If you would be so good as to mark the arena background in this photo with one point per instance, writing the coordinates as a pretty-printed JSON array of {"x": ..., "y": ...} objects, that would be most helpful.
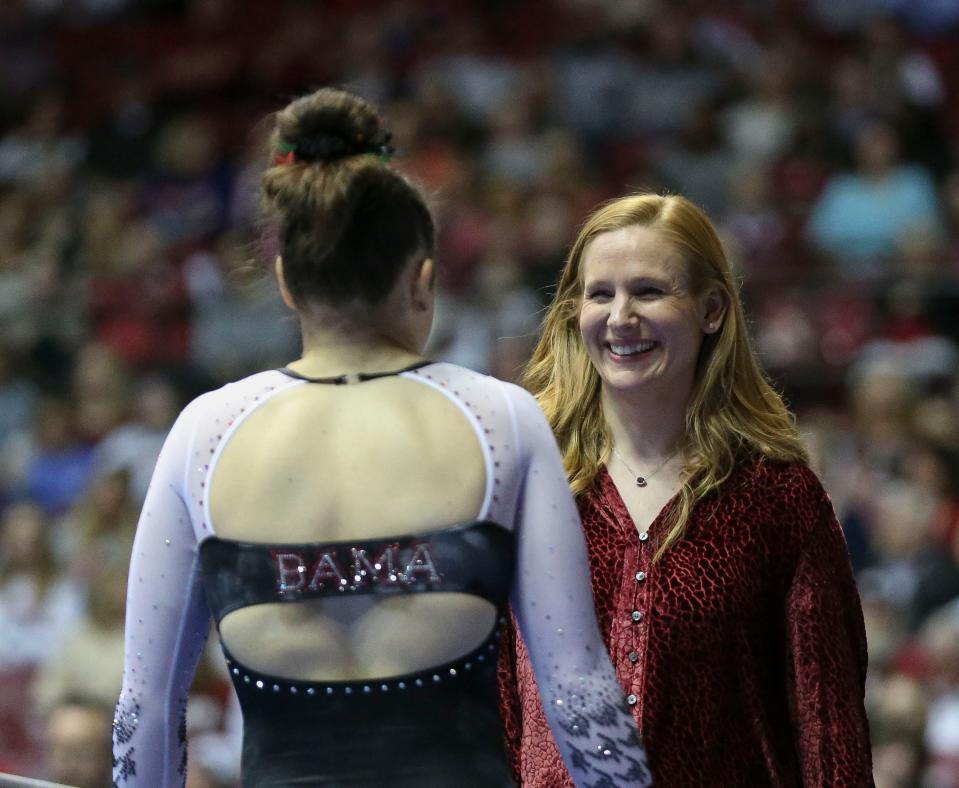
[{"x": 821, "y": 136}]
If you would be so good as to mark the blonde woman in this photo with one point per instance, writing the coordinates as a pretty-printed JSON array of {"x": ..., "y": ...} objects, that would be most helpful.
[{"x": 721, "y": 578}]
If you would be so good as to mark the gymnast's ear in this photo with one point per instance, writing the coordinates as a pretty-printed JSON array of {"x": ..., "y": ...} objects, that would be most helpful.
[
  {"x": 422, "y": 283},
  {"x": 281, "y": 283}
]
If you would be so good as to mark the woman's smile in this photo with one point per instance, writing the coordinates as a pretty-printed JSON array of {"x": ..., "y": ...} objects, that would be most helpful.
[{"x": 621, "y": 351}]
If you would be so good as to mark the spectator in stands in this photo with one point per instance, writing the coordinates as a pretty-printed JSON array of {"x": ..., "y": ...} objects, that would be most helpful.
[
  {"x": 90, "y": 660},
  {"x": 78, "y": 743},
  {"x": 897, "y": 718},
  {"x": 695, "y": 162},
  {"x": 50, "y": 465},
  {"x": 39, "y": 148},
  {"x": 38, "y": 605},
  {"x": 18, "y": 396},
  {"x": 239, "y": 321},
  {"x": 939, "y": 641},
  {"x": 138, "y": 303},
  {"x": 912, "y": 571},
  {"x": 134, "y": 446},
  {"x": 860, "y": 217},
  {"x": 761, "y": 126},
  {"x": 100, "y": 527}
]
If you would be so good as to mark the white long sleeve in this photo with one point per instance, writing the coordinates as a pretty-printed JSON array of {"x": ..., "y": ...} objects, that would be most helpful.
[{"x": 553, "y": 601}]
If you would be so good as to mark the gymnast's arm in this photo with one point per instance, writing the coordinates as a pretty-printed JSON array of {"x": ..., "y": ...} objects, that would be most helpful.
[
  {"x": 167, "y": 623},
  {"x": 553, "y": 603}
]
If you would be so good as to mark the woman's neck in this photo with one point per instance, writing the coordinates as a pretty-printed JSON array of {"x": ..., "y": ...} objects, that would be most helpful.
[
  {"x": 342, "y": 347},
  {"x": 645, "y": 431}
]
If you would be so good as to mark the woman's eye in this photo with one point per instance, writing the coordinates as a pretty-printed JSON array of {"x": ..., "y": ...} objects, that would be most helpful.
[
  {"x": 596, "y": 295},
  {"x": 649, "y": 292}
]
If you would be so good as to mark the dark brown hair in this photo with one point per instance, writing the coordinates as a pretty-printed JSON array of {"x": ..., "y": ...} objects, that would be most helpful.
[{"x": 347, "y": 222}]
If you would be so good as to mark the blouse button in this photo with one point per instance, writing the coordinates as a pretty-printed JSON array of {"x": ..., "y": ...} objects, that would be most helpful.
[
  {"x": 633, "y": 656},
  {"x": 636, "y": 615},
  {"x": 631, "y": 699},
  {"x": 640, "y": 577},
  {"x": 644, "y": 536}
]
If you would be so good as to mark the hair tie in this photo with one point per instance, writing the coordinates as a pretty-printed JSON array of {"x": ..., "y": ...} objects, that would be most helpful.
[
  {"x": 328, "y": 148},
  {"x": 379, "y": 144},
  {"x": 285, "y": 154}
]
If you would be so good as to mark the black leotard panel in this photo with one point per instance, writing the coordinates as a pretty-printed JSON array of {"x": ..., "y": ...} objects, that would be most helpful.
[
  {"x": 473, "y": 558},
  {"x": 441, "y": 722}
]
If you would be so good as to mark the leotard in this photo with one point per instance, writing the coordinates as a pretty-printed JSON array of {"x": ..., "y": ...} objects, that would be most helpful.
[{"x": 437, "y": 726}]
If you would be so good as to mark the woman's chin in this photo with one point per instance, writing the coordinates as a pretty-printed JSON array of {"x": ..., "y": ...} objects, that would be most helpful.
[{"x": 623, "y": 381}]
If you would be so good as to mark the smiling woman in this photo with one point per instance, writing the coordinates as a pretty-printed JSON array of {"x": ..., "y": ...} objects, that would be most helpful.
[
  {"x": 642, "y": 320},
  {"x": 721, "y": 578}
]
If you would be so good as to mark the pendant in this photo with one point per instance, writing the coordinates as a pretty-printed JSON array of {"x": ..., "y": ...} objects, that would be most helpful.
[{"x": 640, "y": 481}]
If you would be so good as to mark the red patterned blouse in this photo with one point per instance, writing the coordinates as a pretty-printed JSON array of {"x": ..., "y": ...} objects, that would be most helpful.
[{"x": 742, "y": 652}]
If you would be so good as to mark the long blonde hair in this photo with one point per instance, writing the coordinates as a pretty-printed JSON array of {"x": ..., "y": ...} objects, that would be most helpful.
[{"x": 733, "y": 412}]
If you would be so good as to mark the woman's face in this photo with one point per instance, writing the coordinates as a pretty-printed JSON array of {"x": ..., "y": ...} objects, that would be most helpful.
[{"x": 641, "y": 323}]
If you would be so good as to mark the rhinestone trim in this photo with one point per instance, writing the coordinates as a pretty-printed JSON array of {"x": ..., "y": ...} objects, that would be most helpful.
[{"x": 450, "y": 671}]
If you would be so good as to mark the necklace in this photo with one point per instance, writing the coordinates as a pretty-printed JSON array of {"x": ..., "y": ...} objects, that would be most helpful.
[{"x": 642, "y": 481}]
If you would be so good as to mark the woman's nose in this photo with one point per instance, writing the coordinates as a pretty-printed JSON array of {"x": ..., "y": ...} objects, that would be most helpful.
[{"x": 622, "y": 313}]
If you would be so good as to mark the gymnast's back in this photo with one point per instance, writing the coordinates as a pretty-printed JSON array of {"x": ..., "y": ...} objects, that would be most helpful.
[{"x": 354, "y": 525}]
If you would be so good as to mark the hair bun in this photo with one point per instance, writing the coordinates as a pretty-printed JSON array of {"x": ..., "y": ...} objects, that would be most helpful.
[
  {"x": 347, "y": 225},
  {"x": 330, "y": 124}
]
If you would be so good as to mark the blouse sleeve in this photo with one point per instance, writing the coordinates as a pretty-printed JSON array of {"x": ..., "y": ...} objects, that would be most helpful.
[
  {"x": 167, "y": 623},
  {"x": 826, "y": 642},
  {"x": 553, "y": 603}
]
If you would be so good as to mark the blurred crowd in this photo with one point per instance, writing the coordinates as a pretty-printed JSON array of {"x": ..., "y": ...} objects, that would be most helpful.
[{"x": 820, "y": 136}]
